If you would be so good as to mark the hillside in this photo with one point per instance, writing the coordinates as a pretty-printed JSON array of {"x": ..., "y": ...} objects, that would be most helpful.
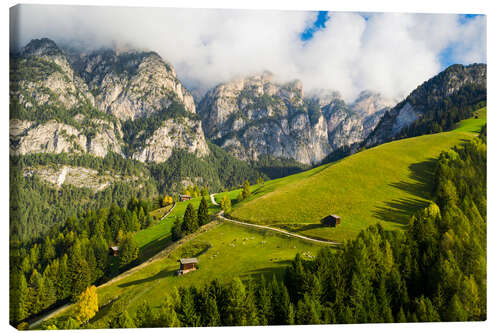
[{"x": 385, "y": 185}]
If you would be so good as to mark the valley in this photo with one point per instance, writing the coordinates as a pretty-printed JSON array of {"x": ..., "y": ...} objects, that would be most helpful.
[{"x": 226, "y": 250}]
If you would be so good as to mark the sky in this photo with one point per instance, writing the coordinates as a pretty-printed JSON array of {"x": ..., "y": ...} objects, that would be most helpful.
[{"x": 347, "y": 52}]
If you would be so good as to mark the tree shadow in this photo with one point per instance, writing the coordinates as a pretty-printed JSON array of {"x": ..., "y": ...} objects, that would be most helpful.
[
  {"x": 268, "y": 272},
  {"x": 160, "y": 275},
  {"x": 400, "y": 210}
]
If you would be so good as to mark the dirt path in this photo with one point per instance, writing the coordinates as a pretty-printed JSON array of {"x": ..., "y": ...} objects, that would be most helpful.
[
  {"x": 220, "y": 215},
  {"x": 169, "y": 211},
  {"x": 213, "y": 199}
]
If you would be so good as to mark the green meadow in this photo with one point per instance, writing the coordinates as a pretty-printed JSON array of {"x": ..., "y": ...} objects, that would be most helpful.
[
  {"x": 385, "y": 184},
  {"x": 155, "y": 238},
  {"x": 224, "y": 252}
]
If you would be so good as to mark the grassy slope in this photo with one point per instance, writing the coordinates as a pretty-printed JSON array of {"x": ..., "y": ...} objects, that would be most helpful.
[
  {"x": 385, "y": 184},
  {"x": 155, "y": 238},
  {"x": 234, "y": 251}
]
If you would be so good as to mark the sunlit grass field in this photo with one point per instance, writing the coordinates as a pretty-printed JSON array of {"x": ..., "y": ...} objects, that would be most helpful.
[
  {"x": 224, "y": 252},
  {"x": 385, "y": 184},
  {"x": 158, "y": 236}
]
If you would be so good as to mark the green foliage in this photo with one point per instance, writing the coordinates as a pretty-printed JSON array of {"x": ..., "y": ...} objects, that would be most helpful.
[
  {"x": 246, "y": 189},
  {"x": 203, "y": 212},
  {"x": 128, "y": 250},
  {"x": 190, "y": 222}
]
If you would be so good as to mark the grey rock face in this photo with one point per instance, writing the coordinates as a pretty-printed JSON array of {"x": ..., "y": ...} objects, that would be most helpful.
[
  {"x": 256, "y": 116},
  {"x": 115, "y": 86},
  {"x": 132, "y": 84},
  {"x": 55, "y": 137},
  {"x": 446, "y": 83},
  {"x": 184, "y": 134}
]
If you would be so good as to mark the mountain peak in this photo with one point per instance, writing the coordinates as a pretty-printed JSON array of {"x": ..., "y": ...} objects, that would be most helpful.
[{"x": 41, "y": 47}]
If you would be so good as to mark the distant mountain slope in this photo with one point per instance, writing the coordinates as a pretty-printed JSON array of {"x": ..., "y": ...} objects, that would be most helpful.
[
  {"x": 434, "y": 106},
  {"x": 255, "y": 116},
  {"x": 384, "y": 184}
]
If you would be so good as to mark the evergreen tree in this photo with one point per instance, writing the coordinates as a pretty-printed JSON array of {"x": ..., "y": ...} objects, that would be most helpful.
[
  {"x": 177, "y": 229},
  {"x": 246, "y": 189},
  {"x": 129, "y": 251},
  {"x": 203, "y": 212},
  {"x": 190, "y": 223}
]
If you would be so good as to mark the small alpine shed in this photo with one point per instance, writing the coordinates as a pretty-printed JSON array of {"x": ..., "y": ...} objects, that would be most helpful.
[
  {"x": 331, "y": 220},
  {"x": 187, "y": 265}
]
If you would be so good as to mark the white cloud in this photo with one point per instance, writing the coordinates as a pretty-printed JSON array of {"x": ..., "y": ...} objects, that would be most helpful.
[{"x": 390, "y": 53}]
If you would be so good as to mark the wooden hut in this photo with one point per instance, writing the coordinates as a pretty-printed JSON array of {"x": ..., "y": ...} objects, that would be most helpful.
[
  {"x": 187, "y": 265},
  {"x": 331, "y": 220},
  {"x": 184, "y": 197},
  {"x": 113, "y": 250}
]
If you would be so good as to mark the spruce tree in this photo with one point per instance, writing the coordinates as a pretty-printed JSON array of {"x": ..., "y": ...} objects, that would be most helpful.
[
  {"x": 190, "y": 223},
  {"x": 203, "y": 212},
  {"x": 177, "y": 229},
  {"x": 246, "y": 189}
]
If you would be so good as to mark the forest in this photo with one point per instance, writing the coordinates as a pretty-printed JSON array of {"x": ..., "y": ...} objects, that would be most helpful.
[{"x": 58, "y": 267}]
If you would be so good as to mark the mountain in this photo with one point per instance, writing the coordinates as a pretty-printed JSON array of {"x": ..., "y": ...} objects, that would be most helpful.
[
  {"x": 436, "y": 105},
  {"x": 255, "y": 116},
  {"x": 81, "y": 103}
]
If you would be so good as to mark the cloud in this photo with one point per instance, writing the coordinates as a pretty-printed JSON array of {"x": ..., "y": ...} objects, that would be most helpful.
[{"x": 390, "y": 53}]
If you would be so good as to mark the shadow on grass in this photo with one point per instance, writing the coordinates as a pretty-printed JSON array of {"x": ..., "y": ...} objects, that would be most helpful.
[
  {"x": 400, "y": 210},
  {"x": 150, "y": 249},
  {"x": 268, "y": 272},
  {"x": 160, "y": 275}
]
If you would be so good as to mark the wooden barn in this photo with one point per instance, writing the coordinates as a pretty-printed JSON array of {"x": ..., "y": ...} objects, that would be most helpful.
[
  {"x": 113, "y": 250},
  {"x": 184, "y": 197},
  {"x": 187, "y": 265},
  {"x": 331, "y": 220}
]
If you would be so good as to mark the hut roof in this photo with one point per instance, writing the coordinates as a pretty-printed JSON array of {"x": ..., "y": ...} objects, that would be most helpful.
[{"x": 188, "y": 260}]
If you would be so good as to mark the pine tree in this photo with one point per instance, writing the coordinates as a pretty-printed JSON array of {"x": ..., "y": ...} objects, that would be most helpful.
[
  {"x": 168, "y": 316},
  {"x": 264, "y": 307},
  {"x": 246, "y": 189},
  {"x": 19, "y": 299},
  {"x": 188, "y": 314},
  {"x": 190, "y": 223},
  {"x": 203, "y": 212},
  {"x": 129, "y": 251},
  {"x": 177, "y": 229}
]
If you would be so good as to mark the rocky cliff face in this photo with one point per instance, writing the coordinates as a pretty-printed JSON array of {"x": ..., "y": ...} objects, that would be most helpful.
[
  {"x": 131, "y": 84},
  {"x": 256, "y": 116},
  {"x": 455, "y": 82},
  {"x": 71, "y": 102}
]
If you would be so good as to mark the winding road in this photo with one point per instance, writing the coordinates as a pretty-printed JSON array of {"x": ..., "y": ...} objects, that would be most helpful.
[{"x": 220, "y": 215}]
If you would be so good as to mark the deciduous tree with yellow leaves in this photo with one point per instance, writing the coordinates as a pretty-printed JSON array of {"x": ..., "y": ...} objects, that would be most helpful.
[{"x": 87, "y": 305}]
